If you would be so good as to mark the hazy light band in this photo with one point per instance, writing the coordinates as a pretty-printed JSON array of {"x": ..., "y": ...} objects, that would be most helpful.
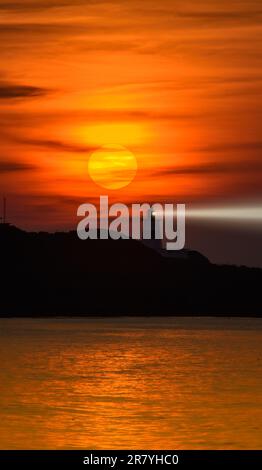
[
  {"x": 236, "y": 213},
  {"x": 231, "y": 213}
]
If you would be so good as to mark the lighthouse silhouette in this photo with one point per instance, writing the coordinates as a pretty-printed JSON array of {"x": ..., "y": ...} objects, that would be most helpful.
[{"x": 155, "y": 242}]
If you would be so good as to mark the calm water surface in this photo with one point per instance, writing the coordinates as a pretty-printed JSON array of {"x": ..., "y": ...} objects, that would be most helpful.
[{"x": 131, "y": 383}]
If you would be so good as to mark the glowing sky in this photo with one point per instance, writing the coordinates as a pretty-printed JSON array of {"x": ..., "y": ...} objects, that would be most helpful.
[{"x": 178, "y": 83}]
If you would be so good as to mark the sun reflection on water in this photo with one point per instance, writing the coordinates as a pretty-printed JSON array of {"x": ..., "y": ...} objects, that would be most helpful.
[{"x": 156, "y": 384}]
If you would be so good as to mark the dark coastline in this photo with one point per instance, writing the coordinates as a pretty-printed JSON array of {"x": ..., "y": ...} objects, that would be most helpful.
[{"x": 53, "y": 275}]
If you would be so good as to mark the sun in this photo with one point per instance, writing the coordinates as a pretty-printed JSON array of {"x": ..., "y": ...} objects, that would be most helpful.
[{"x": 112, "y": 166}]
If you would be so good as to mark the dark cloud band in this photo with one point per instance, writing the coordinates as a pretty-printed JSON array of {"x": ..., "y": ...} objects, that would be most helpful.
[
  {"x": 13, "y": 167},
  {"x": 13, "y": 91}
]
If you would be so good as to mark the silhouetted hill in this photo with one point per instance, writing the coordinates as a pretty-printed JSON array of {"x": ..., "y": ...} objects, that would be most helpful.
[{"x": 58, "y": 274}]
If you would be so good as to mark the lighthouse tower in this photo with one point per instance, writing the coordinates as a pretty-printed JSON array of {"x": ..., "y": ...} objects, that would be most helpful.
[{"x": 155, "y": 243}]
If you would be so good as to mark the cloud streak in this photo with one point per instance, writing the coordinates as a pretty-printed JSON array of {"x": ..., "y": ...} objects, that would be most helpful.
[
  {"x": 33, "y": 5},
  {"x": 13, "y": 167},
  {"x": 55, "y": 145},
  {"x": 14, "y": 91},
  {"x": 211, "y": 168},
  {"x": 229, "y": 147}
]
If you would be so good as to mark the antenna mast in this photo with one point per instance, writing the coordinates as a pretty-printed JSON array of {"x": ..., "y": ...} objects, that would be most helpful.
[{"x": 4, "y": 211}]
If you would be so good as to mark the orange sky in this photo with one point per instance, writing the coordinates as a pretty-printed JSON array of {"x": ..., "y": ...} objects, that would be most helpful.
[{"x": 178, "y": 83}]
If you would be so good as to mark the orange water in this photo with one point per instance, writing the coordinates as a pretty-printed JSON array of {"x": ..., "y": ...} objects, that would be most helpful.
[{"x": 131, "y": 383}]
